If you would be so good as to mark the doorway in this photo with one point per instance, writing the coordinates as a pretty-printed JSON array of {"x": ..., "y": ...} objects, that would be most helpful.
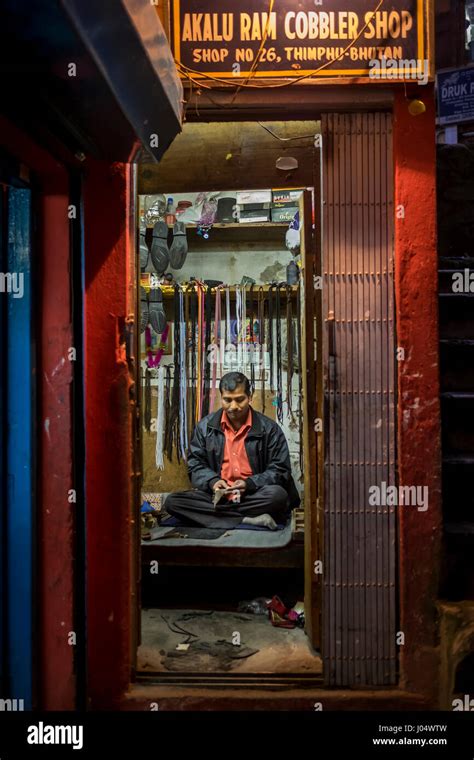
[
  {"x": 238, "y": 300},
  {"x": 343, "y": 552}
]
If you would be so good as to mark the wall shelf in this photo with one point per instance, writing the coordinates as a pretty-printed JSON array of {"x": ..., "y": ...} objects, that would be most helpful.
[
  {"x": 168, "y": 290},
  {"x": 232, "y": 225}
]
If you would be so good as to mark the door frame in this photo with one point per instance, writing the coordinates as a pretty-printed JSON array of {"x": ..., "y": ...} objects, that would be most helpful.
[
  {"x": 418, "y": 441},
  {"x": 311, "y": 443}
]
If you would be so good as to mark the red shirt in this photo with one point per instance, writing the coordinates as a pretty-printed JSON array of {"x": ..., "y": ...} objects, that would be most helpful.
[{"x": 235, "y": 465}]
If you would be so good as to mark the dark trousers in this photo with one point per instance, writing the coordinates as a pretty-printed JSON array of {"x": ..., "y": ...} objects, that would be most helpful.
[{"x": 196, "y": 507}]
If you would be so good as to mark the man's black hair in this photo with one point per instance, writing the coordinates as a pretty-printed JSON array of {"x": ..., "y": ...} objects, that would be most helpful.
[{"x": 231, "y": 380}]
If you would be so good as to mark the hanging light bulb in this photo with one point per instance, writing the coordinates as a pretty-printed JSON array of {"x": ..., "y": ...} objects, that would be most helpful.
[{"x": 416, "y": 107}]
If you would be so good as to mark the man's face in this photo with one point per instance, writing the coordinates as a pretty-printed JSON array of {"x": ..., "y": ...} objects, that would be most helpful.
[{"x": 236, "y": 403}]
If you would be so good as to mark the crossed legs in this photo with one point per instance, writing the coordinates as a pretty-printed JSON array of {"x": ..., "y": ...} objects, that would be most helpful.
[{"x": 196, "y": 508}]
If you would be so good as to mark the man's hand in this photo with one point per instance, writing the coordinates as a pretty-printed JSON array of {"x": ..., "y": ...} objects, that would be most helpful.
[
  {"x": 220, "y": 484},
  {"x": 241, "y": 485}
]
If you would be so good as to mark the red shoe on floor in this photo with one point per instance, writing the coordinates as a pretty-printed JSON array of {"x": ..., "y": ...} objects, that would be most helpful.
[{"x": 278, "y": 613}]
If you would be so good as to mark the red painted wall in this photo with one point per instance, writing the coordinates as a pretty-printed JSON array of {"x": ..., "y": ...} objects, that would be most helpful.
[
  {"x": 55, "y": 678},
  {"x": 419, "y": 445},
  {"x": 108, "y": 431}
]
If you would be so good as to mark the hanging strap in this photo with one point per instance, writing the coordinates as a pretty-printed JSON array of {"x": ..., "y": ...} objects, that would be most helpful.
[
  {"x": 183, "y": 380},
  {"x": 187, "y": 351},
  {"x": 243, "y": 328},
  {"x": 251, "y": 340},
  {"x": 279, "y": 368},
  {"x": 221, "y": 332},
  {"x": 228, "y": 335},
  {"x": 251, "y": 313},
  {"x": 175, "y": 400},
  {"x": 216, "y": 342},
  {"x": 193, "y": 312},
  {"x": 167, "y": 411},
  {"x": 147, "y": 399},
  {"x": 200, "y": 321},
  {"x": 160, "y": 420},
  {"x": 270, "y": 333},
  {"x": 238, "y": 319},
  {"x": 300, "y": 370},
  {"x": 207, "y": 339},
  {"x": 289, "y": 351},
  {"x": 201, "y": 348},
  {"x": 261, "y": 337}
]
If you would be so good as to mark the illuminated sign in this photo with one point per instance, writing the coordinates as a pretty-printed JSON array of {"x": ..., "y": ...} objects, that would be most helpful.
[{"x": 302, "y": 38}]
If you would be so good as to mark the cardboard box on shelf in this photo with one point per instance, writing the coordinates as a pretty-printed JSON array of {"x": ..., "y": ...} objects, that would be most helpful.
[
  {"x": 283, "y": 204},
  {"x": 285, "y": 196},
  {"x": 254, "y": 215},
  {"x": 254, "y": 206},
  {"x": 254, "y": 196},
  {"x": 284, "y": 214}
]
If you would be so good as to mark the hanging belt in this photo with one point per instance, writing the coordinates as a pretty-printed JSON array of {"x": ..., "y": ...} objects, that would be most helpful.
[
  {"x": 147, "y": 399},
  {"x": 175, "y": 399},
  {"x": 238, "y": 320},
  {"x": 187, "y": 322},
  {"x": 300, "y": 369},
  {"x": 252, "y": 363},
  {"x": 193, "y": 312},
  {"x": 186, "y": 329},
  {"x": 270, "y": 332},
  {"x": 183, "y": 379},
  {"x": 243, "y": 328},
  {"x": 261, "y": 337},
  {"x": 199, "y": 373},
  {"x": 289, "y": 351},
  {"x": 221, "y": 335},
  {"x": 217, "y": 334},
  {"x": 207, "y": 340},
  {"x": 202, "y": 344},
  {"x": 279, "y": 357},
  {"x": 168, "y": 445},
  {"x": 228, "y": 334},
  {"x": 159, "y": 421}
]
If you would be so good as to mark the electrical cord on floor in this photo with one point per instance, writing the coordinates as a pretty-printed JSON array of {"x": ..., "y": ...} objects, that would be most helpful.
[
  {"x": 180, "y": 630},
  {"x": 191, "y": 615}
]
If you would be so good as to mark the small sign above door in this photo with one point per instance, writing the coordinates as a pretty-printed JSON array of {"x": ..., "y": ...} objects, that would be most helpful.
[{"x": 302, "y": 38}]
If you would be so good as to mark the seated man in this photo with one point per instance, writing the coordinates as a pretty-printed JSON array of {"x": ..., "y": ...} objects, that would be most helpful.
[{"x": 236, "y": 447}]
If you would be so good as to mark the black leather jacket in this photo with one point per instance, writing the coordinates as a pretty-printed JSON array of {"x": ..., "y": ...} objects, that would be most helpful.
[{"x": 266, "y": 448}]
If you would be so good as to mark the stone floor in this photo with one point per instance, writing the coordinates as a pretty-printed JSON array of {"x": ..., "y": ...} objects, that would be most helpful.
[{"x": 213, "y": 638}]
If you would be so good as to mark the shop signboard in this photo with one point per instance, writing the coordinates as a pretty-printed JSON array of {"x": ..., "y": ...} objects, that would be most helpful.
[
  {"x": 302, "y": 38},
  {"x": 455, "y": 89}
]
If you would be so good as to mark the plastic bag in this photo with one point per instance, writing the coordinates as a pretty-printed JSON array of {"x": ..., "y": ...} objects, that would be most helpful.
[{"x": 256, "y": 606}]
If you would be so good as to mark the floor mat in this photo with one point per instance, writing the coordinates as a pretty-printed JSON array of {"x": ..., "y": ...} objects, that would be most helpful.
[{"x": 244, "y": 539}]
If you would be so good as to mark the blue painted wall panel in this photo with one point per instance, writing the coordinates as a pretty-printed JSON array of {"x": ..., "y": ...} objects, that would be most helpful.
[
  {"x": 20, "y": 448},
  {"x": 3, "y": 447}
]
